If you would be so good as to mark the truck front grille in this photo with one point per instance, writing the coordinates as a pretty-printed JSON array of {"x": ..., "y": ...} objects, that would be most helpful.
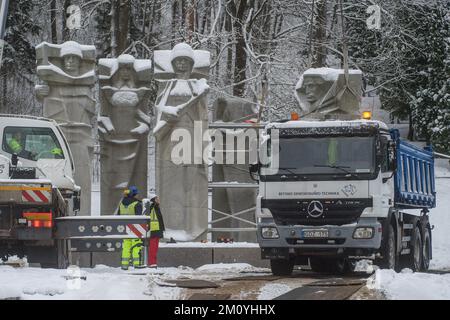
[{"x": 307, "y": 211}]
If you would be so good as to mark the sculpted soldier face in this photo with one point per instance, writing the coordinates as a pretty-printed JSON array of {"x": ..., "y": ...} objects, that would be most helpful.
[
  {"x": 182, "y": 66},
  {"x": 125, "y": 73},
  {"x": 72, "y": 63},
  {"x": 313, "y": 88}
]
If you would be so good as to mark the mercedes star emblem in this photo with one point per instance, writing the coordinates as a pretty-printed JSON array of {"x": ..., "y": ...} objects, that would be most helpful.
[{"x": 315, "y": 209}]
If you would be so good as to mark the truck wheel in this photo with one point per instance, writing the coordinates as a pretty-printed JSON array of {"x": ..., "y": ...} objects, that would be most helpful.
[
  {"x": 413, "y": 260},
  {"x": 389, "y": 260},
  {"x": 281, "y": 267},
  {"x": 426, "y": 253}
]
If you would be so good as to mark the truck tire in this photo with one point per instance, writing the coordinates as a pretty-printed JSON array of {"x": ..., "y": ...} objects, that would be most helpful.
[
  {"x": 413, "y": 260},
  {"x": 281, "y": 267},
  {"x": 426, "y": 251},
  {"x": 390, "y": 254},
  {"x": 329, "y": 265}
]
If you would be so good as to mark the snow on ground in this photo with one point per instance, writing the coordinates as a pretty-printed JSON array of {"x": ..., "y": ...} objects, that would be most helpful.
[
  {"x": 208, "y": 245},
  {"x": 273, "y": 290},
  {"x": 102, "y": 284},
  {"x": 407, "y": 285},
  {"x": 106, "y": 283},
  {"x": 440, "y": 218}
]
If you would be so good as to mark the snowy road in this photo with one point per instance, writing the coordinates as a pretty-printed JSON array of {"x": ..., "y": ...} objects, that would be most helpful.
[{"x": 106, "y": 283}]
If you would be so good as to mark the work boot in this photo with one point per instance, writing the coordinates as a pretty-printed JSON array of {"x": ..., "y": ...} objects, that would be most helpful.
[
  {"x": 153, "y": 266},
  {"x": 124, "y": 268}
]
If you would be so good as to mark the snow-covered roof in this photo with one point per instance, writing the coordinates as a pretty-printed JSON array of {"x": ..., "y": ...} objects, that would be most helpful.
[
  {"x": 326, "y": 123},
  {"x": 25, "y": 181},
  {"x": 26, "y": 121}
]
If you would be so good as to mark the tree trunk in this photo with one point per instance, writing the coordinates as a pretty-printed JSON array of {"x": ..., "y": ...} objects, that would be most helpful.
[
  {"x": 114, "y": 16},
  {"x": 65, "y": 31},
  {"x": 174, "y": 20},
  {"x": 319, "y": 53},
  {"x": 190, "y": 18},
  {"x": 53, "y": 32},
  {"x": 240, "y": 64},
  {"x": 410, "y": 128},
  {"x": 124, "y": 25},
  {"x": 229, "y": 29}
]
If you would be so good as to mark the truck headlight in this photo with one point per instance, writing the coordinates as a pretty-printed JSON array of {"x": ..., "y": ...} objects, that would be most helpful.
[
  {"x": 363, "y": 233},
  {"x": 269, "y": 233}
]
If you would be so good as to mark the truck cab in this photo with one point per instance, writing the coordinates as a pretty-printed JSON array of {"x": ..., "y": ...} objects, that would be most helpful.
[
  {"x": 327, "y": 195},
  {"x": 38, "y": 143}
]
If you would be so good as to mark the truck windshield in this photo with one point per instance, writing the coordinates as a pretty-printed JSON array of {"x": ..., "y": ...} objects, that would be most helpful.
[
  {"x": 32, "y": 143},
  {"x": 327, "y": 155}
]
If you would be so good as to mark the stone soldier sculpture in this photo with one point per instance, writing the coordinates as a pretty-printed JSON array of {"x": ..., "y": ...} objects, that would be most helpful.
[
  {"x": 123, "y": 127},
  {"x": 181, "y": 109},
  {"x": 68, "y": 76},
  {"x": 322, "y": 93}
]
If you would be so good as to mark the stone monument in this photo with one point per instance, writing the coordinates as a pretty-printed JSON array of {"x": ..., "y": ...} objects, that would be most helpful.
[
  {"x": 123, "y": 127},
  {"x": 181, "y": 109},
  {"x": 68, "y": 76},
  {"x": 325, "y": 93}
]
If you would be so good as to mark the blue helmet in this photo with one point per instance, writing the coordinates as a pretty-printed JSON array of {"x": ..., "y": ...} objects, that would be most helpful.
[{"x": 133, "y": 190}]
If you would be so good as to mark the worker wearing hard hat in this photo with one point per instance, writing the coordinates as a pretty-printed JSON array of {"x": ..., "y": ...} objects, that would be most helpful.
[
  {"x": 156, "y": 228},
  {"x": 131, "y": 248}
]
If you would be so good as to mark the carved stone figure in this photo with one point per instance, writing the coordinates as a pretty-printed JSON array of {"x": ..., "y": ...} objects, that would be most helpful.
[
  {"x": 324, "y": 92},
  {"x": 234, "y": 200},
  {"x": 68, "y": 76},
  {"x": 181, "y": 108},
  {"x": 123, "y": 127}
]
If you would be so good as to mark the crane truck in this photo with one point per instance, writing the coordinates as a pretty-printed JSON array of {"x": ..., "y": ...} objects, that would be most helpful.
[
  {"x": 36, "y": 186},
  {"x": 40, "y": 201},
  {"x": 334, "y": 192}
]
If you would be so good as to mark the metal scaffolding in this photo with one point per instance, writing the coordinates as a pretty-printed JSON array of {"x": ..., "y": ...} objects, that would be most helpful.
[{"x": 229, "y": 185}]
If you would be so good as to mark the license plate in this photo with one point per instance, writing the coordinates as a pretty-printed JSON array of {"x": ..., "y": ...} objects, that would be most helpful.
[{"x": 321, "y": 233}]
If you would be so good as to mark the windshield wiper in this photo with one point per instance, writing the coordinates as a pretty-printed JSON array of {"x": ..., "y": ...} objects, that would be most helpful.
[{"x": 342, "y": 168}]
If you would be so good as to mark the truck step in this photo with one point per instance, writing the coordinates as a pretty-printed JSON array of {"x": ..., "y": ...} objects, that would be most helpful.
[
  {"x": 405, "y": 251},
  {"x": 408, "y": 226}
]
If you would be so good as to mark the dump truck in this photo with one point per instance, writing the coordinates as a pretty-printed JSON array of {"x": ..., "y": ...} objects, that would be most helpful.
[{"x": 334, "y": 192}]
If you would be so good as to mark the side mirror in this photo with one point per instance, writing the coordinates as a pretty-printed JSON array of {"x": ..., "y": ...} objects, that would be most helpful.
[
  {"x": 392, "y": 156},
  {"x": 254, "y": 171},
  {"x": 76, "y": 202},
  {"x": 14, "y": 159}
]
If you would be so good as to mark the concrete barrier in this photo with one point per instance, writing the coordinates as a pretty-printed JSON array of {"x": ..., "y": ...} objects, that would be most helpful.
[{"x": 193, "y": 257}]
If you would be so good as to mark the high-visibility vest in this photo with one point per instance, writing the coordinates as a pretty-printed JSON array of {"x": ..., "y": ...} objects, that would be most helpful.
[
  {"x": 154, "y": 223},
  {"x": 57, "y": 151},
  {"x": 129, "y": 210},
  {"x": 15, "y": 145}
]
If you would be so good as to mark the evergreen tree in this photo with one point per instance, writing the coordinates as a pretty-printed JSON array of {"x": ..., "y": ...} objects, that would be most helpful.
[
  {"x": 19, "y": 54},
  {"x": 431, "y": 104}
]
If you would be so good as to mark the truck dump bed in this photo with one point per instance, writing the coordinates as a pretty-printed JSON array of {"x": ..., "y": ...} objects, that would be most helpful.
[{"x": 414, "y": 177}]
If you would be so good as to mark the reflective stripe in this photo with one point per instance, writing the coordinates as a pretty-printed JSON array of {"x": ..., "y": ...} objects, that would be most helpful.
[
  {"x": 154, "y": 223},
  {"x": 128, "y": 210}
]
